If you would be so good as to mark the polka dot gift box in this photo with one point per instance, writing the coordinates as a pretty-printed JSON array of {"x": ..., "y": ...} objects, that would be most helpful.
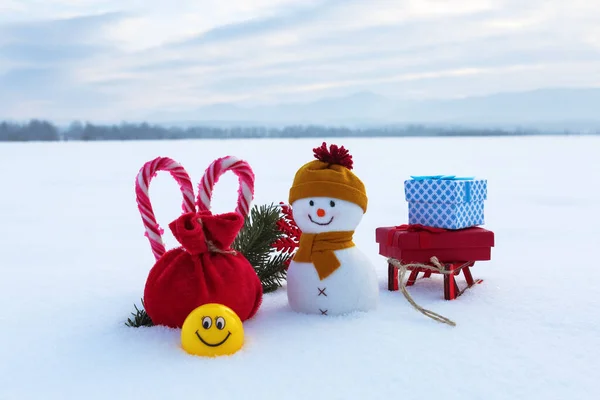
[{"x": 445, "y": 201}]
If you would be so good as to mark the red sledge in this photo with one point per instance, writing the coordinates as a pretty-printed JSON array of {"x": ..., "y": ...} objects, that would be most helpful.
[{"x": 456, "y": 250}]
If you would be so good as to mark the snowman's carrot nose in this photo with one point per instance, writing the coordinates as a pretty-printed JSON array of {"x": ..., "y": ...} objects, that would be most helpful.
[{"x": 320, "y": 212}]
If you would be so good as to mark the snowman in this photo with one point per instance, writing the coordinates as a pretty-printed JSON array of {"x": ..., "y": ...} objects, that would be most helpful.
[{"x": 329, "y": 275}]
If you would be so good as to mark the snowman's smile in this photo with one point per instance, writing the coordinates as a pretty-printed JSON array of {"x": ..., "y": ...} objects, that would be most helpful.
[{"x": 319, "y": 223}]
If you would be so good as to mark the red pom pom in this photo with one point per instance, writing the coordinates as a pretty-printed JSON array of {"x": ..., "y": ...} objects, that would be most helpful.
[{"x": 334, "y": 155}]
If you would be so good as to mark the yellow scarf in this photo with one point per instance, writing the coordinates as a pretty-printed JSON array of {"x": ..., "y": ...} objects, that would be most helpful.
[{"x": 317, "y": 248}]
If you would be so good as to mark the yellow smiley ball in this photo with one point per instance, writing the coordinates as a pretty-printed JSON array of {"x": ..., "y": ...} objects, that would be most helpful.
[{"x": 212, "y": 330}]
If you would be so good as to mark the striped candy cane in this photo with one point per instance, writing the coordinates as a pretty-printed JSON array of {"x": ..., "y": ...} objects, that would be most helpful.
[
  {"x": 211, "y": 176},
  {"x": 147, "y": 172}
]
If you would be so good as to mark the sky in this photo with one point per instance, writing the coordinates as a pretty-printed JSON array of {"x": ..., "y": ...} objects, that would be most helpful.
[{"x": 113, "y": 60}]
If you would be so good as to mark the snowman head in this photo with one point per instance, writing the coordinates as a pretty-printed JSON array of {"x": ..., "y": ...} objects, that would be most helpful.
[
  {"x": 326, "y": 214},
  {"x": 326, "y": 195}
]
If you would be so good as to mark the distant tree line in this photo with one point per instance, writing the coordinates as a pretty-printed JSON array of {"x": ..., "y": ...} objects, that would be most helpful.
[
  {"x": 38, "y": 130},
  {"x": 34, "y": 130}
]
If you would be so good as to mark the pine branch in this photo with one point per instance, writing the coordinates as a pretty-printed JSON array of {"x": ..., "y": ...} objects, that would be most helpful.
[
  {"x": 273, "y": 272},
  {"x": 260, "y": 241},
  {"x": 140, "y": 318}
]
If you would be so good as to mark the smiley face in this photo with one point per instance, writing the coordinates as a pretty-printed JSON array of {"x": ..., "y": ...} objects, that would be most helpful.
[{"x": 212, "y": 330}]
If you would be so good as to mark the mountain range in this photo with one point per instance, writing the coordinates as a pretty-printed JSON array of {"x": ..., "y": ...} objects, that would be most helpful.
[{"x": 550, "y": 109}]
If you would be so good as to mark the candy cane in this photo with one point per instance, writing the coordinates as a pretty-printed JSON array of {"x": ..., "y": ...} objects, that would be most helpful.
[
  {"x": 211, "y": 176},
  {"x": 147, "y": 172}
]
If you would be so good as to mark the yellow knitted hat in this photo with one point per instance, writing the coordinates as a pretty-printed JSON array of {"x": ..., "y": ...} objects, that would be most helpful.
[{"x": 329, "y": 175}]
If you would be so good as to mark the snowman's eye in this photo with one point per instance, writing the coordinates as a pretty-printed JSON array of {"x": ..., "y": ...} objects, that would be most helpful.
[
  {"x": 332, "y": 203},
  {"x": 312, "y": 203},
  {"x": 220, "y": 323},
  {"x": 206, "y": 322}
]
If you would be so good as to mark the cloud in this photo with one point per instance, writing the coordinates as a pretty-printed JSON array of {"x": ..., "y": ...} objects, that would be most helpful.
[
  {"x": 50, "y": 41},
  {"x": 27, "y": 79},
  {"x": 287, "y": 18},
  {"x": 148, "y": 56},
  {"x": 478, "y": 38},
  {"x": 48, "y": 53},
  {"x": 155, "y": 23},
  {"x": 39, "y": 61},
  {"x": 49, "y": 93}
]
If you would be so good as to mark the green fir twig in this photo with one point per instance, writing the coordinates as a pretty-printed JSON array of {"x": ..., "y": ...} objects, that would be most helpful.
[
  {"x": 256, "y": 242},
  {"x": 140, "y": 318}
]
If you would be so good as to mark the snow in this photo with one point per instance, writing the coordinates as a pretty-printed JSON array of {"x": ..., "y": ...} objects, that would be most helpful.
[{"x": 75, "y": 261}]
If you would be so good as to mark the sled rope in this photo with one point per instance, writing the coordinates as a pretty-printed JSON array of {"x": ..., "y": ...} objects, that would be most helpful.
[{"x": 437, "y": 267}]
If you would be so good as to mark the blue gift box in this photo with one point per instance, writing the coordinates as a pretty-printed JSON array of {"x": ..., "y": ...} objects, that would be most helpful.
[{"x": 445, "y": 201}]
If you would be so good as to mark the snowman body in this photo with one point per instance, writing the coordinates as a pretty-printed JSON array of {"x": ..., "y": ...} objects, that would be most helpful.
[{"x": 353, "y": 286}]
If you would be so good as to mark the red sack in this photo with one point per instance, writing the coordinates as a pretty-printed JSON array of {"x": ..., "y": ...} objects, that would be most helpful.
[{"x": 204, "y": 269}]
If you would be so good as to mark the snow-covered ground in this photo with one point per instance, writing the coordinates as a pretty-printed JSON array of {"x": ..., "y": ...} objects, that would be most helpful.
[{"x": 74, "y": 262}]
